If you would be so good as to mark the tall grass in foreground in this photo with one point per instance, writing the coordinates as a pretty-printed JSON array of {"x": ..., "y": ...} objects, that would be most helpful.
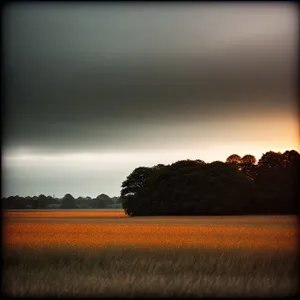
[{"x": 141, "y": 273}]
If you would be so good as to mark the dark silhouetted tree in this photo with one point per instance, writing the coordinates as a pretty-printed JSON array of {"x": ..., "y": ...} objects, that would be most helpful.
[
  {"x": 42, "y": 201},
  {"x": 290, "y": 158},
  {"x": 247, "y": 165},
  {"x": 133, "y": 185},
  {"x": 193, "y": 188},
  {"x": 277, "y": 181},
  {"x": 68, "y": 201},
  {"x": 103, "y": 201},
  {"x": 271, "y": 160},
  {"x": 233, "y": 159},
  {"x": 248, "y": 159}
]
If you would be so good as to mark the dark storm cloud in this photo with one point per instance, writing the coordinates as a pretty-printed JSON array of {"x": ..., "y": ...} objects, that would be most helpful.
[{"x": 96, "y": 76}]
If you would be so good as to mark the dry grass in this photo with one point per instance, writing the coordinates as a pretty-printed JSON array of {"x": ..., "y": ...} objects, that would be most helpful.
[
  {"x": 85, "y": 254},
  {"x": 140, "y": 273}
]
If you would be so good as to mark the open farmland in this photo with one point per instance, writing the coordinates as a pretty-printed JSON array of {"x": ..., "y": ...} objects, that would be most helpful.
[
  {"x": 109, "y": 228},
  {"x": 178, "y": 256}
]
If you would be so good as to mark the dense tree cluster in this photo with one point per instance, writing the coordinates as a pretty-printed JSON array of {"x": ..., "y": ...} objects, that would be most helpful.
[
  {"x": 240, "y": 186},
  {"x": 67, "y": 202}
]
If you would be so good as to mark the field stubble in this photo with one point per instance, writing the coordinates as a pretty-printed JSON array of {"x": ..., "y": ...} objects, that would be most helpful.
[
  {"x": 141, "y": 272},
  {"x": 140, "y": 260}
]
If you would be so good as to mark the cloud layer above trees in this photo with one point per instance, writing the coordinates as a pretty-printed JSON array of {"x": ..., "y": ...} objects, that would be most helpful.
[{"x": 128, "y": 78}]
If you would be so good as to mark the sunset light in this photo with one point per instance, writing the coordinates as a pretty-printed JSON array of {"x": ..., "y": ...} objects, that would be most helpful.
[{"x": 150, "y": 149}]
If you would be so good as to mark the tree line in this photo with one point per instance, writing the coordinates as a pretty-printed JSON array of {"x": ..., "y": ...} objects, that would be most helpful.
[
  {"x": 239, "y": 186},
  {"x": 66, "y": 202}
]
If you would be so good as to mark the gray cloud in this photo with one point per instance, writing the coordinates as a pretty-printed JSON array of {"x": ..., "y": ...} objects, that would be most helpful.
[{"x": 99, "y": 77}]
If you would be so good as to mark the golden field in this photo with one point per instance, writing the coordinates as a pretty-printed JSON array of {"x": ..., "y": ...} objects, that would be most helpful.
[
  {"x": 104, "y": 229},
  {"x": 107, "y": 254}
]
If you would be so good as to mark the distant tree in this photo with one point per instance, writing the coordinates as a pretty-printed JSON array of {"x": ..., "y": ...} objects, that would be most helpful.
[
  {"x": 103, "y": 201},
  {"x": 271, "y": 160},
  {"x": 159, "y": 166},
  {"x": 291, "y": 157},
  {"x": 119, "y": 200},
  {"x": 103, "y": 197},
  {"x": 199, "y": 161},
  {"x": 217, "y": 162},
  {"x": 277, "y": 182},
  {"x": 29, "y": 201},
  {"x": 6, "y": 203},
  {"x": 68, "y": 201},
  {"x": 42, "y": 201},
  {"x": 247, "y": 165},
  {"x": 248, "y": 159},
  {"x": 116, "y": 200},
  {"x": 188, "y": 163},
  {"x": 93, "y": 202},
  {"x": 10, "y": 202},
  {"x": 18, "y": 202},
  {"x": 234, "y": 159},
  {"x": 81, "y": 202}
]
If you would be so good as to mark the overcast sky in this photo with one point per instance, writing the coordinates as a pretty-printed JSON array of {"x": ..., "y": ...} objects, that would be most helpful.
[{"x": 93, "y": 91}]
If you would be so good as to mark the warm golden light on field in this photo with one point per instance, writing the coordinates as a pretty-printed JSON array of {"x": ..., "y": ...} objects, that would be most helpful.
[
  {"x": 105, "y": 229},
  {"x": 98, "y": 235}
]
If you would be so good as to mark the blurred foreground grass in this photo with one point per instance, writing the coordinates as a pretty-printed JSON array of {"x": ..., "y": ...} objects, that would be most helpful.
[{"x": 113, "y": 272}]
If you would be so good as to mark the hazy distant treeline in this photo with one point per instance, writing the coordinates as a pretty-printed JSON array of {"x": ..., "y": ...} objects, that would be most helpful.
[
  {"x": 68, "y": 201},
  {"x": 240, "y": 186}
]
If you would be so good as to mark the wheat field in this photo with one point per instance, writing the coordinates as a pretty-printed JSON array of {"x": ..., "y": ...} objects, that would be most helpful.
[{"x": 108, "y": 254}]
